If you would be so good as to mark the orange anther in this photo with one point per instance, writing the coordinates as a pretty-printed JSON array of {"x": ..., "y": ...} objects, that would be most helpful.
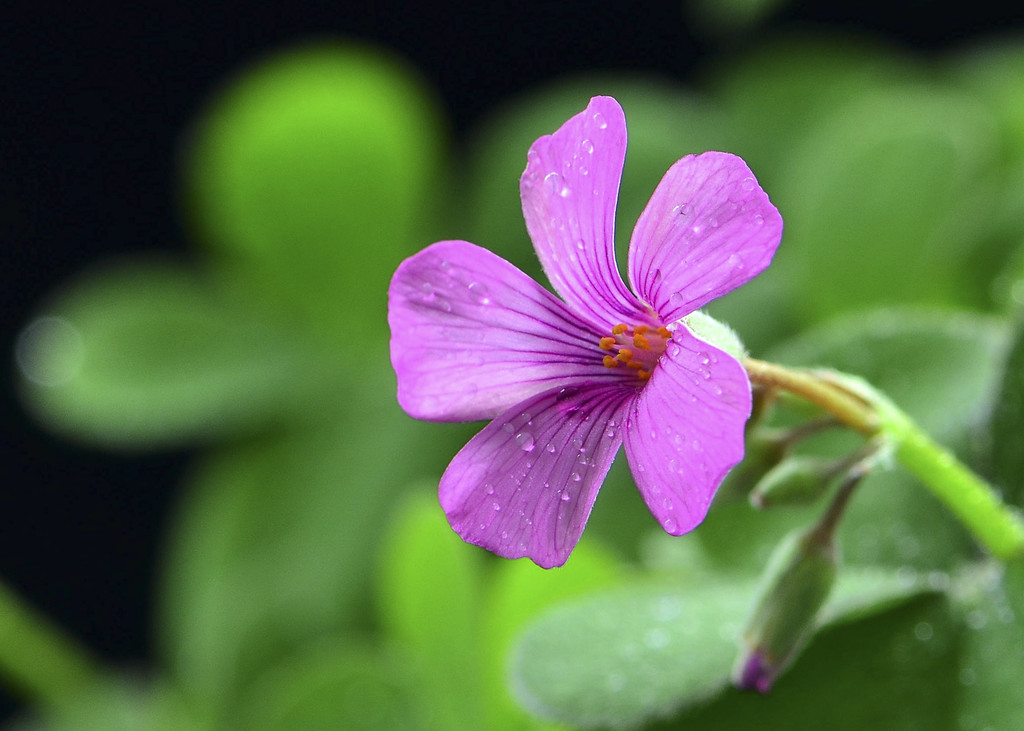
[
  {"x": 610, "y": 362},
  {"x": 635, "y": 365},
  {"x": 607, "y": 343},
  {"x": 643, "y": 375},
  {"x": 641, "y": 330},
  {"x": 640, "y": 341},
  {"x": 664, "y": 332},
  {"x": 625, "y": 355},
  {"x": 619, "y": 329}
]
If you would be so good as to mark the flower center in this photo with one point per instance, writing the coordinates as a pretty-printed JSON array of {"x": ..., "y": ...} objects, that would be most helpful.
[{"x": 638, "y": 348}]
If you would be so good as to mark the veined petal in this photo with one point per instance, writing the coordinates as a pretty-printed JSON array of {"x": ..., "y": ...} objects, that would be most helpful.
[
  {"x": 707, "y": 229},
  {"x": 524, "y": 486},
  {"x": 569, "y": 191},
  {"x": 685, "y": 431},
  {"x": 472, "y": 335}
]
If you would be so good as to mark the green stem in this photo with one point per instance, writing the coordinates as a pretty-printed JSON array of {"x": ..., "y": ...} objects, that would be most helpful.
[
  {"x": 859, "y": 405},
  {"x": 37, "y": 659}
]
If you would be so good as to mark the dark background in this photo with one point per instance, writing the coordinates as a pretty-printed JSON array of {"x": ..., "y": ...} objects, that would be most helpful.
[{"x": 93, "y": 100}]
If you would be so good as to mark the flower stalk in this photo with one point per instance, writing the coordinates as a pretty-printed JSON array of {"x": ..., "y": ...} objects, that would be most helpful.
[{"x": 863, "y": 408}]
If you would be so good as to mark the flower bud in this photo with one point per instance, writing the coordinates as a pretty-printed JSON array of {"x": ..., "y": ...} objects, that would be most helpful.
[
  {"x": 796, "y": 480},
  {"x": 797, "y": 582}
]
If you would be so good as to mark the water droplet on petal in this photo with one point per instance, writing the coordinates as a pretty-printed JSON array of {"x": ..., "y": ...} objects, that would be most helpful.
[
  {"x": 587, "y": 146},
  {"x": 479, "y": 293},
  {"x": 575, "y": 477},
  {"x": 524, "y": 440},
  {"x": 748, "y": 184},
  {"x": 553, "y": 181},
  {"x": 508, "y": 427},
  {"x": 551, "y": 448},
  {"x": 600, "y": 121},
  {"x": 496, "y": 505},
  {"x": 673, "y": 349},
  {"x": 566, "y": 497}
]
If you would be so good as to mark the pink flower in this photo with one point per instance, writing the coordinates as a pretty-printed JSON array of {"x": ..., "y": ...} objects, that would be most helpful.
[{"x": 567, "y": 382}]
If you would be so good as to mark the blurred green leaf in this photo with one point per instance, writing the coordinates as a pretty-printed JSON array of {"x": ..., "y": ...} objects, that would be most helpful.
[
  {"x": 633, "y": 654},
  {"x": 314, "y": 174},
  {"x": 152, "y": 354},
  {"x": 941, "y": 366},
  {"x": 991, "y": 672},
  {"x": 730, "y": 16},
  {"x": 518, "y": 592},
  {"x": 429, "y": 596},
  {"x": 333, "y": 684},
  {"x": 131, "y": 704},
  {"x": 895, "y": 669},
  {"x": 1008, "y": 425},
  {"x": 276, "y": 541},
  {"x": 886, "y": 202}
]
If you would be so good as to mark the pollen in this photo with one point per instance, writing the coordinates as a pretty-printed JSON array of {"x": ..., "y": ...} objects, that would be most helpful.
[{"x": 638, "y": 348}]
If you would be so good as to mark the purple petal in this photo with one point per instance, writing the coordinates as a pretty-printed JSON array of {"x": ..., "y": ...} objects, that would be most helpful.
[
  {"x": 524, "y": 486},
  {"x": 569, "y": 190},
  {"x": 685, "y": 430},
  {"x": 471, "y": 335},
  {"x": 707, "y": 229}
]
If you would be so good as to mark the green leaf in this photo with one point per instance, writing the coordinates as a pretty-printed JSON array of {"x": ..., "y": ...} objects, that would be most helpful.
[
  {"x": 335, "y": 683},
  {"x": 129, "y": 704},
  {"x": 886, "y": 203},
  {"x": 429, "y": 595},
  {"x": 942, "y": 367},
  {"x": 1008, "y": 424},
  {"x": 895, "y": 669},
  {"x": 519, "y": 591},
  {"x": 276, "y": 541},
  {"x": 313, "y": 174},
  {"x": 991, "y": 671},
  {"x": 634, "y": 654},
  {"x": 151, "y": 354}
]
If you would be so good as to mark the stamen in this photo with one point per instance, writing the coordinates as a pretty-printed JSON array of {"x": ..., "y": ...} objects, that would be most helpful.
[
  {"x": 664, "y": 332},
  {"x": 625, "y": 355},
  {"x": 640, "y": 341},
  {"x": 643, "y": 375},
  {"x": 607, "y": 343},
  {"x": 610, "y": 362},
  {"x": 619, "y": 329}
]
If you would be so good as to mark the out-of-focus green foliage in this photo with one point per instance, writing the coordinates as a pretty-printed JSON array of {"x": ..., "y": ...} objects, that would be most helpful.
[{"x": 312, "y": 174}]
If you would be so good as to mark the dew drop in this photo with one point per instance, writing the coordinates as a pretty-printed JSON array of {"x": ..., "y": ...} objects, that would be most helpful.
[
  {"x": 575, "y": 477},
  {"x": 551, "y": 448},
  {"x": 656, "y": 638},
  {"x": 673, "y": 349},
  {"x": 566, "y": 497},
  {"x": 553, "y": 182},
  {"x": 587, "y": 146},
  {"x": 479, "y": 293},
  {"x": 758, "y": 219},
  {"x": 704, "y": 358},
  {"x": 610, "y": 432},
  {"x": 580, "y": 244},
  {"x": 496, "y": 505},
  {"x": 670, "y": 525},
  {"x": 600, "y": 121},
  {"x": 524, "y": 440},
  {"x": 748, "y": 184},
  {"x": 507, "y": 428}
]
